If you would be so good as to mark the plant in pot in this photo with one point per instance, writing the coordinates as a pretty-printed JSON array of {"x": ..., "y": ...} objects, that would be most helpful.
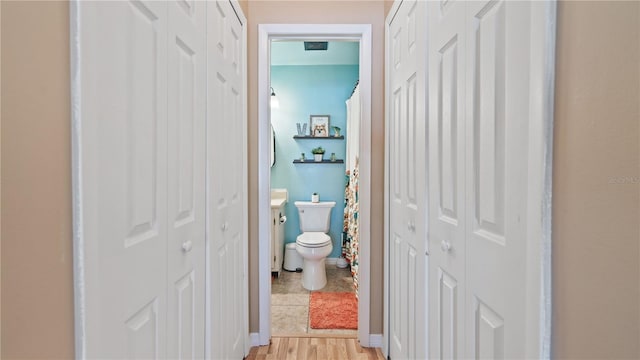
[
  {"x": 318, "y": 153},
  {"x": 336, "y": 131}
]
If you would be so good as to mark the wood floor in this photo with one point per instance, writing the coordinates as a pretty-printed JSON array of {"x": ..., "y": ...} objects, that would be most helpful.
[{"x": 307, "y": 348}]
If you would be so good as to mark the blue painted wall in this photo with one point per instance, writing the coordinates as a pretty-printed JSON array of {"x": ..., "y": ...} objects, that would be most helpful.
[{"x": 303, "y": 91}]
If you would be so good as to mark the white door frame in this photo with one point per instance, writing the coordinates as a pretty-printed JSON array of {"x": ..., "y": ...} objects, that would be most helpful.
[
  {"x": 268, "y": 32},
  {"x": 542, "y": 88}
]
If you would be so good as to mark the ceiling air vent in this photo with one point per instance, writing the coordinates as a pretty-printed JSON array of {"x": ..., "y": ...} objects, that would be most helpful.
[{"x": 315, "y": 45}]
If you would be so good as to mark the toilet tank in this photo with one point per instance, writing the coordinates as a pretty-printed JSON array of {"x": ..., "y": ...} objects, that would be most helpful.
[{"x": 315, "y": 216}]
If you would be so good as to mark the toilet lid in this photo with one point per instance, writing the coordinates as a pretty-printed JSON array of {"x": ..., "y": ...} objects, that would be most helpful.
[{"x": 313, "y": 239}]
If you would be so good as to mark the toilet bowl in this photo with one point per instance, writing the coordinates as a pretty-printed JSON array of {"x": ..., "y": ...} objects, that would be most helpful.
[
  {"x": 314, "y": 247},
  {"x": 313, "y": 244}
]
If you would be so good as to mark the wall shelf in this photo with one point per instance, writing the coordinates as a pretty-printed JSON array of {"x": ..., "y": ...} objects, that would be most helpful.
[
  {"x": 310, "y": 161},
  {"x": 341, "y": 137}
]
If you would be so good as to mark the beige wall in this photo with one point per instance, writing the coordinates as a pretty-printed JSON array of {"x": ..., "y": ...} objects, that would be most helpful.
[
  {"x": 595, "y": 223},
  {"x": 347, "y": 12},
  {"x": 244, "y": 4},
  {"x": 37, "y": 279},
  {"x": 387, "y": 7},
  {"x": 0, "y": 181}
]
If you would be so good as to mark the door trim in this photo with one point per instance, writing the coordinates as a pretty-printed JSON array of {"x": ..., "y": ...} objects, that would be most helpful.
[
  {"x": 539, "y": 212},
  {"x": 267, "y": 32},
  {"x": 79, "y": 294}
]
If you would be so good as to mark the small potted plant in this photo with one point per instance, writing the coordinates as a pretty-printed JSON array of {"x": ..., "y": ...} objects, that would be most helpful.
[
  {"x": 336, "y": 131},
  {"x": 318, "y": 153}
]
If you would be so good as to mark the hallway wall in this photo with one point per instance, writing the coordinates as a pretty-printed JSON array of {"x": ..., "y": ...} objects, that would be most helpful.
[
  {"x": 317, "y": 12},
  {"x": 596, "y": 239},
  {"x": 37, "y": 275}
]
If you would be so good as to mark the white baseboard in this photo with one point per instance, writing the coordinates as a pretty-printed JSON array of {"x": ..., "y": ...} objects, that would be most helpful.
[
  {"x": 254, "y": 338},
  {"x": 375, "y": 340},
  {"x": 331, "y": 261}
]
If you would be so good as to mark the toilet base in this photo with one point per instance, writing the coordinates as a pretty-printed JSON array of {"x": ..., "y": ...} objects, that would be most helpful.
[{"x": 314, "y": 276}]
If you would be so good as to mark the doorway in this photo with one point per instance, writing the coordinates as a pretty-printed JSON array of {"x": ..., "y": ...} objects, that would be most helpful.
[
  {"x": 273, "y": 32},
  {"x": 315, "y": 121}
]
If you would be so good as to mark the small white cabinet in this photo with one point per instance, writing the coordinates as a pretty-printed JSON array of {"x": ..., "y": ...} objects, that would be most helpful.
[{"x": 278, "y": 202}]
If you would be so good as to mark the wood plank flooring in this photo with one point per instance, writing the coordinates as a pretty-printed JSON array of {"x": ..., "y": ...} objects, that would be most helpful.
[{"x": 305, "y": 348}]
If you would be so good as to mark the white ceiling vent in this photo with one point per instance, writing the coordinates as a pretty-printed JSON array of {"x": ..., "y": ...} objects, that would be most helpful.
[{"x": 316, "y": 45}]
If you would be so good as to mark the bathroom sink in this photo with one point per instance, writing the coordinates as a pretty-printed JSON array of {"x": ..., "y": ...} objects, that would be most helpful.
[{"x": 279, "y": 197}]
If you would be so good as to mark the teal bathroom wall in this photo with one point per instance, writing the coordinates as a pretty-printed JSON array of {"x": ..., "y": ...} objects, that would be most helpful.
[{"x": 303, "y": 91}]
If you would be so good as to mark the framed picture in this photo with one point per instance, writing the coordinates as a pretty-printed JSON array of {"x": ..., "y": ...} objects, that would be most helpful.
[{"x": 319, "y": 125}]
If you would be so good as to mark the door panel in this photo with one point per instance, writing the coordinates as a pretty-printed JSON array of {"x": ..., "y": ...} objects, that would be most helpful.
[
  {"x": 499, "y": 116},
  {"x": 186, "y": 176},
  {"x": 123, "y": 57},
  {"x": 448, "y": 132},
  {"x": 489, "y": 335},
  {"x": 447, "y": 317},
  {"x": 488, "y": 69},
  {"x": 225, "y": 195},
  {"x": 447, "y": 51},
  {"x": 407, "y": 173},
  {"x": 142, "y": 333},
  {"x": 142, "y": 145},
  {"x": 188, "y": 334},
  {"x": 479, "y": 91}
]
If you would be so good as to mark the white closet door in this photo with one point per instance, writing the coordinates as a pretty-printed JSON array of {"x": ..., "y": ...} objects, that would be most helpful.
[
  {"x": 497, "y": 164},
  {"x": 447, "y": 221},
  {"x": 225, "y": 187},
  {"x": 186, "y": 179},
  {"x": 407, "y": 193},
  {"x": 123, "y": 143},
  {"x": 481, "y": 120}
]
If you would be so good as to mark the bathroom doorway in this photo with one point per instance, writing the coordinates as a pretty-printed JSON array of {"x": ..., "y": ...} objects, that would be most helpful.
[
  {"x": 314, "y": 113},
  {"x": 311, "y": 93}
]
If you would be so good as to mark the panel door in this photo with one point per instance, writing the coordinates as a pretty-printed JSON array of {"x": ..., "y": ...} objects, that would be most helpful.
[
  {"x": 407, "y": 171},
  {"x": 124, "y": 177},
  {"x": 447, "y": 218},
  {"x": 498, "y": 117},
  {"x": 186, "y": 179},
  {"x": 481, "y": 111},
  {"x": 225, "y": 195}
]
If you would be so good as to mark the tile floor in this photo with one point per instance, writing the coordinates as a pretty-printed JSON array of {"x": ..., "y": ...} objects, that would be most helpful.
[{"x": 290, "y": 302}]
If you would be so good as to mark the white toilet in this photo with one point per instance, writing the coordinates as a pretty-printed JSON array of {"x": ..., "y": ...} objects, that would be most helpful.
[{"x": 314, "y": 245}]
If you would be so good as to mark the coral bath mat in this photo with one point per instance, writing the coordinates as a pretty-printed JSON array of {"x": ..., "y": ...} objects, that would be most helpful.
[{"x": 333, "y": 310}]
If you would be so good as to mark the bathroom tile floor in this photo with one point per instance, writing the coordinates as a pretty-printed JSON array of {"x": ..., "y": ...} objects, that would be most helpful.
[{"x": 290, "y": 302}]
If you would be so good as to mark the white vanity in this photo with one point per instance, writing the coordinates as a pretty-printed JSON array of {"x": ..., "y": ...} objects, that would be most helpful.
[{"x": 278, "y": 201}]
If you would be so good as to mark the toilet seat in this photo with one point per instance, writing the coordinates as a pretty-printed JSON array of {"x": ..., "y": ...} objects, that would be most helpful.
[{"x": 313, "y": 239}]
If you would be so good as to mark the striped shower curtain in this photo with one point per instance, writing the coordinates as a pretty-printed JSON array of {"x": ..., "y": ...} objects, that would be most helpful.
[{"x": 350, "y": 236}]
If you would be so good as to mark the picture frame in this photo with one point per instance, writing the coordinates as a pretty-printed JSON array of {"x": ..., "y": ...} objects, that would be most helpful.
[{"x": 319, "y": 125}]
